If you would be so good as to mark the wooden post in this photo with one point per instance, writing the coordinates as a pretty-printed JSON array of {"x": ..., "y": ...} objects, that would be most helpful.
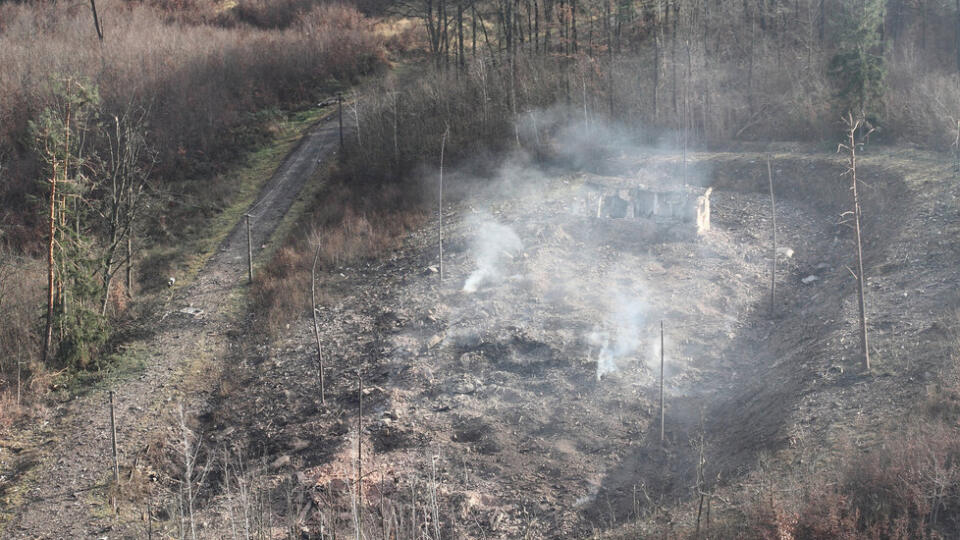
[
  {"x": 700, "y": 478},
  {"x": 661, "y": 382},
  {"x": 316, "y": 322},
  {"x": 19, "y": 368},
  {"x": 443, "y": 142},
  {"x": 383, "y": 511},
  {"x": 340, "y": 116},
  {"x": 130, "y": 265},
  {"x": 359, "y": 454},
  {"x": 773, "y": 264},
  {"x": 956, "y": 140},
  {"x": 249, "y": 251},
  {"x": 396, "y": 116},
  {"x": 116, "y": 458}
]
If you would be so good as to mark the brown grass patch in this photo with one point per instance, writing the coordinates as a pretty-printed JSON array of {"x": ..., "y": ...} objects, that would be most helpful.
[{"x": 349, "y": 227}]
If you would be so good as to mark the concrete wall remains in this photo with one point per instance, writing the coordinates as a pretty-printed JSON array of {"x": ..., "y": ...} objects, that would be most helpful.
[{"x": 685, "y": 207}]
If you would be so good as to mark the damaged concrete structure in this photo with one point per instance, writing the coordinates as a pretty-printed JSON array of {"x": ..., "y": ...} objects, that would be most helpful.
[{"x": 667, "y": 208}]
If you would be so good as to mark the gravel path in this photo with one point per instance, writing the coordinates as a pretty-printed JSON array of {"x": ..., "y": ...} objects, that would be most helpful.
[{"x": 68, "y": 475}]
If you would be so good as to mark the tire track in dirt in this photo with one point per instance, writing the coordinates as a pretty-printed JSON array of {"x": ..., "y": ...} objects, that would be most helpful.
[{"x": 65, "y": 491}]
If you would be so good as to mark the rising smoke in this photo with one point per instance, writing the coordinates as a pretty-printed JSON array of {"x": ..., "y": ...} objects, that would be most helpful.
[
  {"x": 620, "y": 340},
  {"x": 622, "y": 334},
  {"x": 493, "y": 245}
]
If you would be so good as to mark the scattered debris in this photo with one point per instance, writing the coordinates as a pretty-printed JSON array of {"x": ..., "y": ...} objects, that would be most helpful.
[{"x": 192, "y": 311}]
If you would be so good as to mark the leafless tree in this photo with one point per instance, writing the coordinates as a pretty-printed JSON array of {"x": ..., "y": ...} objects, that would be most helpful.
[
  {"x": 853, "y": 125},
  {"x": 126, "y": 169}
]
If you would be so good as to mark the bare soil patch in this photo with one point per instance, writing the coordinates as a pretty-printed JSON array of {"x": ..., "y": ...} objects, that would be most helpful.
[{"x": 492, "y": 399}]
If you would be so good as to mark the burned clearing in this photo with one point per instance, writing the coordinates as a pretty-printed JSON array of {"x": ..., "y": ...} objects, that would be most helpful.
[
  {"x": 520, "y": 395},
  {"x": 430, "y": 270}
]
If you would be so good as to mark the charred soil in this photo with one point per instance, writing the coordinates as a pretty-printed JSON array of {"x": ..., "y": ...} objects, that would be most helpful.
[{"x": 527, "y": 402}]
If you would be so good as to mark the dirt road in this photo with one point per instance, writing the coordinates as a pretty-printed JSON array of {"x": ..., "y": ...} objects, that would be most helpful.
[{"x": 63, "y": 484}]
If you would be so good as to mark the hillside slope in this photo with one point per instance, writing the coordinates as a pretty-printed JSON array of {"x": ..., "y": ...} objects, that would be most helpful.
[
  {"x": 62, "y": 487},
  {"x": 486, "y": 410}
]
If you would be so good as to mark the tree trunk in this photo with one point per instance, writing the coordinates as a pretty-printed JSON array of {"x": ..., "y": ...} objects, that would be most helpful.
[
  {"x": 958, "y": 35},
  {"x": 446, "y": 39},
  {"x": 822, "y": 21},
  {"x": 536, "y": 26},
  {"x": 547, "y": 23},
  {"x": 462, "y": 61},
  {"x": 96, "y": 21},
  {"x": 51, "y": 242},
  {"x": 924, "y": 9},
  {"x": 656, "y": 76},
  {"x": 673, "y": 59},
  {"x": 573, "y": 21},
  {"x": 853, "y": 126}
]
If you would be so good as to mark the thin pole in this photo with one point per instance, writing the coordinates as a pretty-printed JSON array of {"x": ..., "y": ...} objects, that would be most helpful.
[
  {"x": 359, "y": 455},
  {"x": 96, "y": 22},
  {"x": 316, "y": 321},
  {"x": 130, "y": 265},
  {"x": 340, "y": 116},
  {"x": 19, "y": 368},
  {"x": 773, "y": 264},
  {"x": 443, "y": 142},
  {"x": 249, "y": 251},
  {"x": 383, "y": 512},
  {"x": 116, "y": 459},
  {"x": 661, "y": 382},
  {"x": 396, "y": 115}
]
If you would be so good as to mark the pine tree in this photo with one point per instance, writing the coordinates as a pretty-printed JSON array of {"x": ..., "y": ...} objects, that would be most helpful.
[{"x": 858, "y": 68}]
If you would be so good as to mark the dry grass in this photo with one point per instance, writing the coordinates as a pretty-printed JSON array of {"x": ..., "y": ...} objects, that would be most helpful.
[
  {"x": 201, "y": 81},
  {"x": 214, "y": 91},
  {"x": 907, "y": 487},
  {"x": 21, "y": 378},
  {"x": 349, "y": 228}
]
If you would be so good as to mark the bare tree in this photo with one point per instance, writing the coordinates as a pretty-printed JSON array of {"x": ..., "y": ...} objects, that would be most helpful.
[
  {"x": 125, "y": 172},
  {"x": 853, "y": 124}
]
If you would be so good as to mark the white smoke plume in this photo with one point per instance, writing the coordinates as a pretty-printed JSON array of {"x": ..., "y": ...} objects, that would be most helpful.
[
  {"x": 622, "y": 340},
  {"x": 492, "y": 246}
]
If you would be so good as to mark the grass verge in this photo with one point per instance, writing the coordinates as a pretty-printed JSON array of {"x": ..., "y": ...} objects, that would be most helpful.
[{"x": 204, "y": 228}]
